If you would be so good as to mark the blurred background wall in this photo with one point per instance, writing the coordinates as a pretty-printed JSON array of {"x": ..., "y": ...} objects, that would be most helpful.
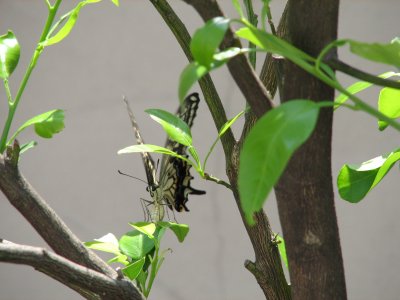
[{"x": 128, "y": 51}]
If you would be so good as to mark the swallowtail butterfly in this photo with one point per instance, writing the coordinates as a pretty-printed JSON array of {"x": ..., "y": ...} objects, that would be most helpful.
[{"x": 173, "y": 186}]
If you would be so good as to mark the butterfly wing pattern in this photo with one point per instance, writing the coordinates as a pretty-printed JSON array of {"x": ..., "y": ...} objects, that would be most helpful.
[{"x": 173, "y": 187}]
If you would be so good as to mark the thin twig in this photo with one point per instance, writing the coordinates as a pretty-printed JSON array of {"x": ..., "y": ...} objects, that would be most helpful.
[
  {"x": 354, "y": 72},
  {"x": 217, "y": 180}
]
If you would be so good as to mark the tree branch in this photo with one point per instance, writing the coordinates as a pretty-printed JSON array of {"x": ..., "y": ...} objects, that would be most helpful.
[
  {"x": 42, "y": 217},
  {"x": 267, "y": 267},
  {"x": 206, "y": 84},
  {"x": 247, "y": 80},
  {"x": 354, "y": 72},
  {"x": 304, "y": 192},
  {"x": 89, "y": 283}
]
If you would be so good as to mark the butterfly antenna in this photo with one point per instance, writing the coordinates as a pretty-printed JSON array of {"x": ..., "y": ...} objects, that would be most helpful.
[{"x": 122, "y": 173}]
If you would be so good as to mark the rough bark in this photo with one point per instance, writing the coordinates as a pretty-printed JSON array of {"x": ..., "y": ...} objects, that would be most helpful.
[{"x": 305, "y": 191}]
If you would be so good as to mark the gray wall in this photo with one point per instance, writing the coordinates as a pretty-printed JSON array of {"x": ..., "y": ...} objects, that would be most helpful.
[{"x": 128, "y": 50}]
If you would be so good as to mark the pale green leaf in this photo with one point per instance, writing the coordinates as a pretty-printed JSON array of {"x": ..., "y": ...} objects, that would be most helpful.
[
  {"x": 389, "y": 105},
  {"x": 175, "y": 127},
  {"x": 355, "y": 181},
  {"x": 133, "y": 269},
  {"x": 9, "y": 54},
  {"x": 66, "y": 29}
]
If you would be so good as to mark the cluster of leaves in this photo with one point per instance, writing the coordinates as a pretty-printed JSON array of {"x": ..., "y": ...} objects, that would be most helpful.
[
  {"x": 51, "y": 122},
  {"x": 290, "y": 124},
  {"x": 275, "y": 137},
  {"x": 139, "y": 250}
]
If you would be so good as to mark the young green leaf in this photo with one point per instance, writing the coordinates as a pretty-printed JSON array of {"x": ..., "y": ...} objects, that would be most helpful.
[
  {"x": 221, "y": 132},
  {"x": 9, "y": 54},
  {"x": 66, "y": 29},
  {"x": 174, "y": 126},
  {"x": 50, "y": 124},
  {"x": 116, "y": 2},
  {"x": 282, "y": 249},
  {"x": 389, "y": 104},
  {"x": 222, "y": 57},
  {"x": 272, "y": 44},
  {"x": 132, "y": 270},
  {"x": 152, "y": 148},
  {"x": 268, "y": 148},
  {"x": 107, "y": 243},
  {"x": 135, "y": 244},
  {"x": 207, "y": 39},
  {"x": 189, "y": 76},
  {"x": 25, "y": 147},
  {"x": 238, "y": 8},
  {"x": 146, "y": 228},
  {"x": 382, "y": 53},
  {"x": 180, "y": 230},
  {"x": 358, "y": 87},
  {"x": 46, "y": 124},
  {"x": 355, "y": 181},
  {"x": 121, "y": 258}
]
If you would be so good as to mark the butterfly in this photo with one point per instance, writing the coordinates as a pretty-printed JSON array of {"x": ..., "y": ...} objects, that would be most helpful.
[{"x": 173, "y": 186}]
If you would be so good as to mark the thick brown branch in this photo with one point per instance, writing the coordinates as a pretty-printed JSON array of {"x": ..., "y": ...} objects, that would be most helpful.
[
  {"x": 42, "y": 217},
  {"x": 305, "y": 191},
  {"x": 87, "y": 282},
  {"x": 247, "y": 80}
]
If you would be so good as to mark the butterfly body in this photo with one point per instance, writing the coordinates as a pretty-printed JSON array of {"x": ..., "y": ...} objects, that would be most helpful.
[{"x": 173, "y": 186}]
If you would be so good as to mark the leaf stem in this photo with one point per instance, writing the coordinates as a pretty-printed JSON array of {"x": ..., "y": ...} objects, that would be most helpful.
[
  {"x": 13, "y": 104},
  {"x": 253, "y": 20},
  {"x": 8, "y": 91},
  {"x": 217, "y": 180}
]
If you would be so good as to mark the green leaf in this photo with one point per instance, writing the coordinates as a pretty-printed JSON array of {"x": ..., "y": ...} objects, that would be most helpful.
[
  {"x": 175, "y": 127},
  {"x": 46, "y": 124},
  {"x": 382, "y": 53},
  {"x": 189, "y": 76},
  {"x": 25, "y": 147},
  {"x": 222, "y": 57},
  {"x": 355, "y": 181},
  {"x": 9, "y": 54},
  {"x": 107, "y": 243},
  {"x": 121, "y": 258},
  {"x": 132, "y": 271},
  {"x": 272, "y": 44},
  {"x": 268, "y": 148},
  {"x": 282, "y": 249},
  {"x": 51, "y": 123},
  {"x": 389, "y": 104},
  {"x": 221, "y": 132},
  {"x": 358, "y": 87},
  {"x": 229, "y": 123},
  {"x": 146, "y": 228},
  {"x": 135, "y": 244},
  {"x": 207, "y": 39},
  {"x": 238, "y": 8},
  {"x": 180, "y": 230},
  {"x": 151, "y": 149},
  {"x": 66, "y": 29}
]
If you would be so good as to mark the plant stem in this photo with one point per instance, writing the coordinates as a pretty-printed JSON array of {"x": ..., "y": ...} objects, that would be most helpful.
[
  {"x": 12, "y": 107},
  {"x": 253, "y": 20},
  {"x": 8, "y": 91}
]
